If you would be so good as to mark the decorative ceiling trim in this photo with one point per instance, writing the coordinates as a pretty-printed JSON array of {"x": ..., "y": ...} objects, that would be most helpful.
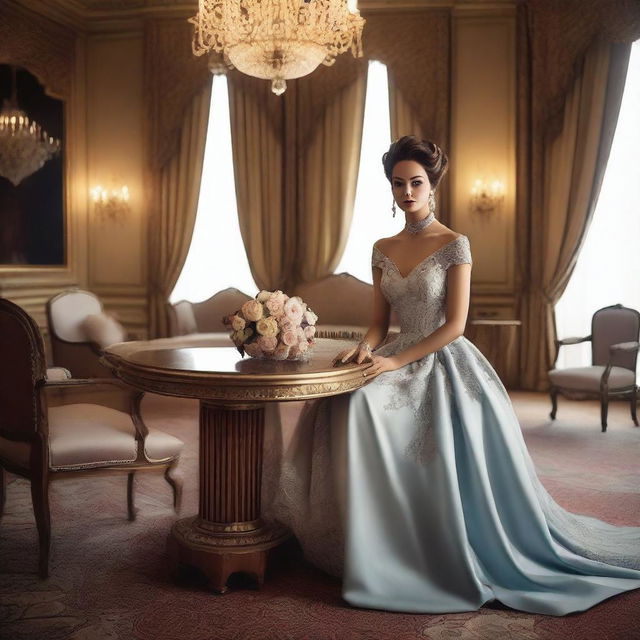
[{"x": 121, "y": 15}]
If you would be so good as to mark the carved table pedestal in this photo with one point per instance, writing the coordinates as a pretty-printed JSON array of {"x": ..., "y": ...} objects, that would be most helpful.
[{"x": 228, "y": 535}]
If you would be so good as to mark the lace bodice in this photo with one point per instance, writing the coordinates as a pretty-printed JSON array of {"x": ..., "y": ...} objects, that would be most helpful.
[{"x": 418, "y": 299}]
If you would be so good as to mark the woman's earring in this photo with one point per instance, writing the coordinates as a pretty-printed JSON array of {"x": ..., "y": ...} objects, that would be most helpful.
[
  {"x": 393, "y": 208},
  {"x": 432, "y": 203}
]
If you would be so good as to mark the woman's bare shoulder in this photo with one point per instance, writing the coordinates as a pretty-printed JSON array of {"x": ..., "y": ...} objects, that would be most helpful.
[
  {"x": 447, "y": 235},
  {"x": 384, "y": 243}
]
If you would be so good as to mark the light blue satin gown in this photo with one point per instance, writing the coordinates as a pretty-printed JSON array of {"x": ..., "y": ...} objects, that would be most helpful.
[{"x": 419, "y": 490}]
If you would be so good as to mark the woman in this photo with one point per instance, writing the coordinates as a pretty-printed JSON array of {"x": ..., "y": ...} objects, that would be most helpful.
[{"x": 439, "y": 508}]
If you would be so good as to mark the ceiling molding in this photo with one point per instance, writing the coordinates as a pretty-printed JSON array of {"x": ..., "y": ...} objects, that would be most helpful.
[{"x": 96, "y": 16}]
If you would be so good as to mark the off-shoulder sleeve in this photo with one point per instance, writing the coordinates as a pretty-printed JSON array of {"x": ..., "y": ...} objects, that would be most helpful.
[
  {"x": 457, "y": 252},
  {"x": 377, "y": 258}
]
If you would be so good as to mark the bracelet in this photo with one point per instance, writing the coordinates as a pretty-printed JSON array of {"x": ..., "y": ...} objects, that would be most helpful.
[{"x": 365, "y": 346}]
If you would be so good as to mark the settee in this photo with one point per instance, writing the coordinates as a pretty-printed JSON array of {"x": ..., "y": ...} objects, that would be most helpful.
[{"x": 342, "y": 303}]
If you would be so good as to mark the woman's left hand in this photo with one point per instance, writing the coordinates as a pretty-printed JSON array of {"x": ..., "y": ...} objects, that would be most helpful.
[{"x": 379, "y": 364}]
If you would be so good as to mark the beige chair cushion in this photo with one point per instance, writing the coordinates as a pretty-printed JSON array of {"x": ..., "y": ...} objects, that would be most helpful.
[
  {"x": 103, "y": 329},
  {"x": 17, "y": 453},
  {"x": 183, "y": 322},
  {"x": 588, "y": 378},
  {"x": 88, "y": 435},
  {"x": 159, "y": 445},
  {"x": 209, "y": 313},
  {"x": 68, "y": 312},
  {"x": 339, "y": 299},
  {"x": 58, "y": 374}
]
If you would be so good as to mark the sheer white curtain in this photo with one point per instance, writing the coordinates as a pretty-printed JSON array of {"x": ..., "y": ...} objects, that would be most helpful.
[
  {"x": 216, "y": 258},
  {"x": 608, "y": 267},
  {"x": 372, "y": 211}
]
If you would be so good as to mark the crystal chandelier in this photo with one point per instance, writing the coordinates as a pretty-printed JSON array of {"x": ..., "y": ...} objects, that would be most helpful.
[
  {"x": 24, "y": 145},
  {"x": 277, "y": 39}
]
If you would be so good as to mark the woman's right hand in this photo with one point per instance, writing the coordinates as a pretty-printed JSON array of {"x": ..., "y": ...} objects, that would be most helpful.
[{"x": 356, "y": 354}]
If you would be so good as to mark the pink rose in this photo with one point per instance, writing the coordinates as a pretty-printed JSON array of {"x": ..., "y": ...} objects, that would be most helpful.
[
  {"x": 289, "y": 338},
  {"x": 281, "y": 352},
  {"x": 293, "y": 309},
  {"x": 275, "y": 303},
  {"x": 286, "y": 325},
  {"x": 309, "y": 332},
  {"x": 252, "y": 310},
  {"x": 303, "y": 346},
  {"x": 267, "y": 343},
  {"x": 300, "y": 334},
  {"x": 253, "y": 349}
]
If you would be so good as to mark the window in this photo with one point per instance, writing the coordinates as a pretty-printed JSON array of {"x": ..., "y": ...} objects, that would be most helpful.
[
  {"x": 372, "y": 218},
  {"x": 609, "y": 263},
  {"x": 216, "y": 243}
]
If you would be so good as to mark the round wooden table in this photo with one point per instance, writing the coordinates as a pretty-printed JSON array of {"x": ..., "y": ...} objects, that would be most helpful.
[{"x": 228, "y": 534}]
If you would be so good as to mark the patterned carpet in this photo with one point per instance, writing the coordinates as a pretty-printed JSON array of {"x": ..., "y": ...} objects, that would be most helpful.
[{"x": 108, "y": 578}]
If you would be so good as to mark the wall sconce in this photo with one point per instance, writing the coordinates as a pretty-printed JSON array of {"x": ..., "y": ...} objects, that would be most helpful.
[
  {"x": 486, "y": 196},
  {"x": 111, "y": 205}
]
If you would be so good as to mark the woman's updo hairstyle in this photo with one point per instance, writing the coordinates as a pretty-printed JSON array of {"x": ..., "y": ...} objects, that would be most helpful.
[{"x": 433, "y": 159}]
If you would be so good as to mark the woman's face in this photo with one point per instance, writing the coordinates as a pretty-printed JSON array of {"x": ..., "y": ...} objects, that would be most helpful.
[{"x": 411, "y": 187}]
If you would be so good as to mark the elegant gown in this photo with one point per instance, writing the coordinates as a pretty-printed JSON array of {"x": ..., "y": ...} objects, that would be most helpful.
[{"x": 419, "y": 491}]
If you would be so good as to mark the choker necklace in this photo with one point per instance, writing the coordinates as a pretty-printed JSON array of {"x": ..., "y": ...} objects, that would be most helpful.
[{"x": 416, "y": 227}]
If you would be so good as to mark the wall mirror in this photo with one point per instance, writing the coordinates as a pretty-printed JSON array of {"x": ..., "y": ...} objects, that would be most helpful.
[{"x": 32, "y": 219}]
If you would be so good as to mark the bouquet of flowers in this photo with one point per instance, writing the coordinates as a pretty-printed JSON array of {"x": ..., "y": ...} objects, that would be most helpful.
[{"x": 274, "y": 326}]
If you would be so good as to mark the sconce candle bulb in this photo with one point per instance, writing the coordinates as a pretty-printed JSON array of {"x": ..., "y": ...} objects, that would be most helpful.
[
  {"x": 486, "y": 196},
  {"x": 113, "y": 205}
]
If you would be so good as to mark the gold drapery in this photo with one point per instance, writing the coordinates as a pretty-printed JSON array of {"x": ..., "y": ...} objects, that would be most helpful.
[
  {"x": 257, "y": 129},
  {"x": 405, "y": 121},
  {"x": 329, "y": 159},
  {"x": 569, "y": 170},
  {"x": 296, "y": 161},
  {"x": 174, "y": 210}
]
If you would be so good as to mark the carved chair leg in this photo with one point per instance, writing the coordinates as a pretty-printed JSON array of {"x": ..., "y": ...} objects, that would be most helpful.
[
  {"x": 176, "y": 485},
  {"x": 634, "y": 406},
  {"x": 604, "y": 409},
  {"x": 3, "y": 489},
  {"x": 131, "y": 509},
  {"x": 40, "y": 499},
  {"x": 554, "y": 403}
]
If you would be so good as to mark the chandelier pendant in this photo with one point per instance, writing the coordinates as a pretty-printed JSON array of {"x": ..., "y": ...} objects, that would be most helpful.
[
  {"x": 277, "y": 40},
  {"x": 24, "y": 145}
]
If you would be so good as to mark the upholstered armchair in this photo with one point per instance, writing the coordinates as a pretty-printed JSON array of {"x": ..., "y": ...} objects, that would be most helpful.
[
  {"x": 79, "y": 330},
  {"x": 612, "y": 375},
  {"x": 53, "y": 428}
]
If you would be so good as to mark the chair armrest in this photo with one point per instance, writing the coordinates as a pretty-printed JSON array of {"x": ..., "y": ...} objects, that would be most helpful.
[
  {"x": 567, "y": 341},
  {"x": 624, "y": 347},
  {"x": 108, "y": 392},
  {"x": 57, "y": 374}
]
